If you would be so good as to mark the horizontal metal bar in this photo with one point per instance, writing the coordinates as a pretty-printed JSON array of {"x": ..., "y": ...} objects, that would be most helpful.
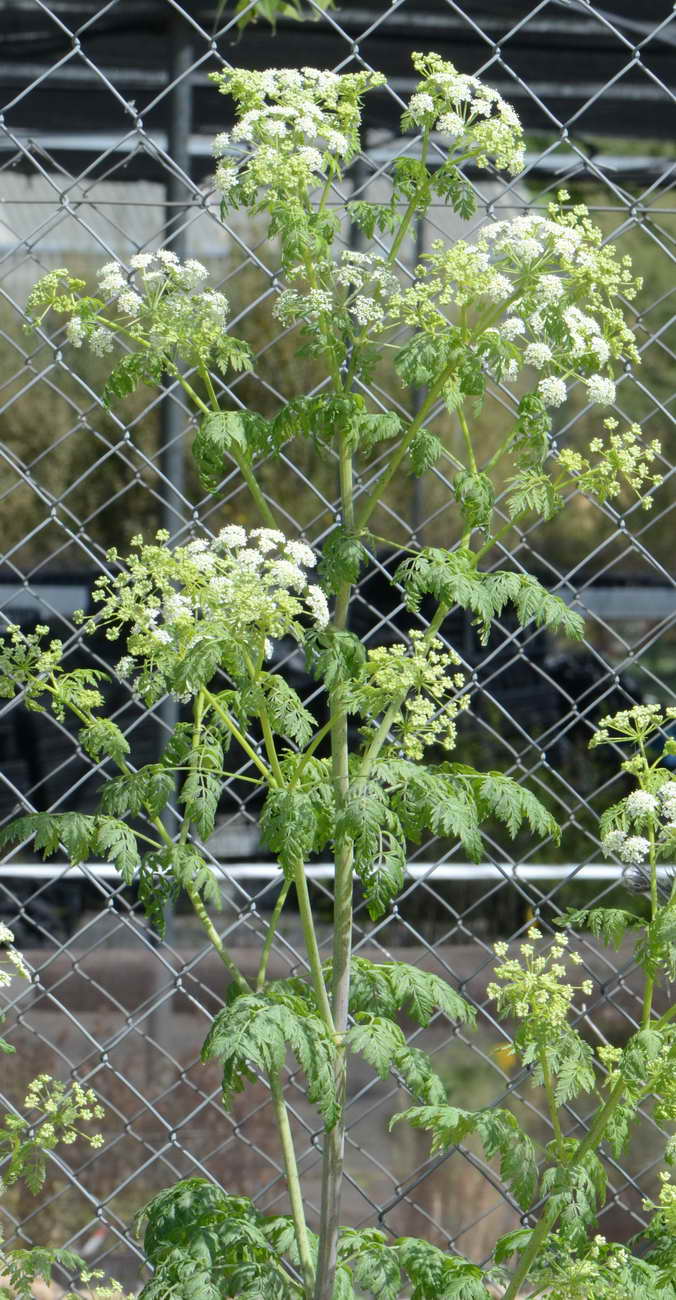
[{"x": 325, "y": 870}]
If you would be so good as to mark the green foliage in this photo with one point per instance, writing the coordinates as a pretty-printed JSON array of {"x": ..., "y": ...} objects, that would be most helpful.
[
  {"x": 610, "y": 924},
  {"x": 424, "y": 450},
  {"x": 258, "y": 1029},
  {"x": 532, "y": 492},
  {"x": 82, "y": 836},
  {"x": 452, "y": 578},
  {"x": 288, "y": 826},
  {"x": 104, "y": 738},
  {"x": 397, "y": 986},
  {"x": 236, "y": 434},
  {"x": 575, "y": 1193},
  {"x": 287, "y": 714},
  {"x": 204, "y": 1244},
  {"x": 500, "y": 1134},
  {"x": 436, "y": 1275},
  {"x": 343, "y": 557},
  {"x": 475, "y": 495},
  {"x": 202, "y": 787}
]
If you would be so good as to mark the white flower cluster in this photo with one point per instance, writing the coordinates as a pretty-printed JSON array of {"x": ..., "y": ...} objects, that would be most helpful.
[
  {"x": 295, "y": 123},
  {"x": 643, "y": 810},
  {"x": 239, "y": 591},
  {"x": 11, "y": 955},
  {"x": 480, "y": 121}
]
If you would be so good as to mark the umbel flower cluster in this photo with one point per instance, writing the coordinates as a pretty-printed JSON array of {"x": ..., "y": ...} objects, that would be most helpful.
[
  {"x": 236, "y": 593},
  {"x": 642, "y": 826},
  {"x": 427, "y": 676},
  {"x": 160, "y": 309}
]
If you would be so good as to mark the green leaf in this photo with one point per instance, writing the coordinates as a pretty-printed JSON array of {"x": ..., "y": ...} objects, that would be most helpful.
[
  {"x": 288, "y": 715},
  {"x": 343, "y": 557},
  {"x": 149, "y": 790},
  {"x": 532, "y": 429},
  {"x": 424, "y": 357},
  {"x": 397, "y": 986},
  {"x": 373, "y": 1262},
  {"x": 576, "y": 1192},
  {"x": 377, "y": 1039},
  {"x": 115, "y": 842},
  {"x": 475, "y": 495},
  {"x": 532, "y": 492},
  {"x": 607, "y": 923},
  {"x": 419, "y": 1075},
  {"x": 512, "y": 804},
  {"x": 372, "y": 217},
  {"x": 499, "y": 1131},
  {"x": 288, "y": 826},
  {"x": 202, "y": 787},
  {"x": 229, "y": 433},
  {"x": 335, "y": 655},
  {"x": 138, "y": 368},
  {"x": 535, "y": 602},
  {"x": 437, "y": 1275},
  {"x": 257, "y": 1029},
  {"x": 449, "y": 182},
  {"x": 372, "y": 428},
  {"x": 378, "y": 842},
  {"x": 50, "y": 830},
  {"x": 572, "y": 1061},
  {"x": 513, "y": 1243},
  {"x": 424, "y": 451},
  {"x": 104, "y": 737},
  {"x": 196, "y": 667}
]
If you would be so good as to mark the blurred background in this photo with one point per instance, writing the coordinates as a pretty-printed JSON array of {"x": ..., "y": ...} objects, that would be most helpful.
[{"x": 105, "y": 150}]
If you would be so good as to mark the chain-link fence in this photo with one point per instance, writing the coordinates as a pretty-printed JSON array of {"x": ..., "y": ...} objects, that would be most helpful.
[{"x": 105, "y": 143}]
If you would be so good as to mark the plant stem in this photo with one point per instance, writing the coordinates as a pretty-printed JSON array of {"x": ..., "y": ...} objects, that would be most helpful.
[
  {"x": 270, "y": 935},
  {"x": 310, "y": 935},
  {"x": 240, "y": 737},
  {"x": 551, "y": 1100},
  {"x": 293, "y": 1183},
  {"x": 334, "y": 1143},
  {"x": 215, "y": 938}
]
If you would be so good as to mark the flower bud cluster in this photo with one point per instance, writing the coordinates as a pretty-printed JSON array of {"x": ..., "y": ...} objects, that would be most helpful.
[
  {"x": 619, "y": 458},
  {"x": 427, "y": 672},
  {"x": 10, "y": 954},
  {"x": 62, "y": 1109},
  {"x": 26, "y": 661},
  {"x": 238, "y": 591},
  {"x": 534, "y": 989}
]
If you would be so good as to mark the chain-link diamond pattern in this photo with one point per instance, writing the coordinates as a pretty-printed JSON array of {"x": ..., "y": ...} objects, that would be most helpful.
[{"x": 105, "y": 134}]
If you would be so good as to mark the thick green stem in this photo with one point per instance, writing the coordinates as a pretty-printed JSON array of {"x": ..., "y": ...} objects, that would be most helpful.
[
  {"x": 293, "y": 1184},
  {"x": 312, "y": 947},
  {"x": 334, "y": 1142}
]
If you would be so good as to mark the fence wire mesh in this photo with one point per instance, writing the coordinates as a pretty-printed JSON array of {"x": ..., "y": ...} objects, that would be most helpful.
[{"x": 105, "y": 151}]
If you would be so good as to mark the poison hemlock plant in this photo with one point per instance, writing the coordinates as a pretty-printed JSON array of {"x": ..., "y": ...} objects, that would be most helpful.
[
  {"x": 532, "y": 301},
  {"x": 53, "y": 1115}
]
